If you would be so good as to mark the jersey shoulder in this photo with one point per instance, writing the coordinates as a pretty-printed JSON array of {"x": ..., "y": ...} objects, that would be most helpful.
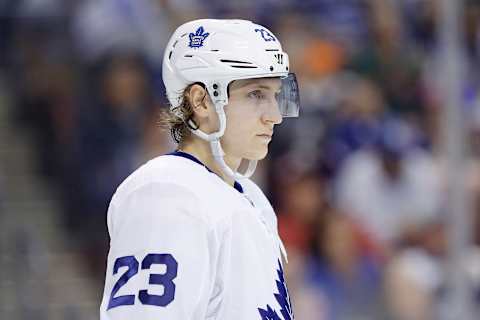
[
  {"x": 165, "y": 170},
  {"x": 192, "y": 184}
]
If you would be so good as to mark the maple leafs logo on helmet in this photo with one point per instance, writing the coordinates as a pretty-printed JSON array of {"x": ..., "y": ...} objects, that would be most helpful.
[
  {"x": 267, "y": 36},
  {"x": 197, "y": 38}
]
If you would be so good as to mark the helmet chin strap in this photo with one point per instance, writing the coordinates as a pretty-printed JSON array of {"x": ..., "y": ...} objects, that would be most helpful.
[
  {"x": 218, "y": 154},
  {"x": 216, "y": 147}
]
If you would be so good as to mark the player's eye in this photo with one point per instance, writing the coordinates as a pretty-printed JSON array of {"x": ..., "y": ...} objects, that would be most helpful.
[
  {"x": 256, "y": 94},
  {"x": 278, "y": 95}
]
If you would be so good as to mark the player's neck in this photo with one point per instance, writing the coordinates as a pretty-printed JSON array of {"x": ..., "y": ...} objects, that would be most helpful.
[{"x": 201, "y": 150}]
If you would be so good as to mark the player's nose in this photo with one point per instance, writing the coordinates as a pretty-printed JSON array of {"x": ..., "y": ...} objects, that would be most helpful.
[{"x": 272, "y": 114}]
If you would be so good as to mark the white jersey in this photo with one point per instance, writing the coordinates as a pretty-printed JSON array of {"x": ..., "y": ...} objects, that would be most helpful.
[{"x": 187, "y": 246}]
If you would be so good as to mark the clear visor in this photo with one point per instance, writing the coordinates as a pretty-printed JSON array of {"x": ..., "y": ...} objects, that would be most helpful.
[{"x": 288, "y": 98}]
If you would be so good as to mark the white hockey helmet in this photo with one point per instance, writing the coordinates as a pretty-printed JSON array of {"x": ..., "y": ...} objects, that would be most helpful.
[{"x": 217, "y": 52}]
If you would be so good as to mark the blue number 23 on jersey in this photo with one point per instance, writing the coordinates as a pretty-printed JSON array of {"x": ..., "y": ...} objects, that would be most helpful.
[{"x": 165, "y": 280}]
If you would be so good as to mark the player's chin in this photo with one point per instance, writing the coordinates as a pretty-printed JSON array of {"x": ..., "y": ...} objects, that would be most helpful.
[{"x": 258, "y": 154}]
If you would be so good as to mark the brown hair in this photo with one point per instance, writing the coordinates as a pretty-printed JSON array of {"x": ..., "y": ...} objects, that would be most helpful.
[{"x": 178, "y": 119}]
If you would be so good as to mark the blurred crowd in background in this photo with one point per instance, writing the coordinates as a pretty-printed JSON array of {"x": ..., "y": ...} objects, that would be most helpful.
[{"x": 358, "y": 181}]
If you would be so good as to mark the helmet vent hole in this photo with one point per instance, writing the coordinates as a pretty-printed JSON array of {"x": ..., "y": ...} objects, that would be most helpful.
[
  {"x": 239, "y": 64},
  {"x": 234, "y": 61},
  {"x": 170, "y": 55},
  {"x": 244, "y": 67},
  {"x": 271, "y": 68},
  {"x": 271, "y": 50},
  {"x": 214, "y": 50},
  {"x": 188, "y": 56}
]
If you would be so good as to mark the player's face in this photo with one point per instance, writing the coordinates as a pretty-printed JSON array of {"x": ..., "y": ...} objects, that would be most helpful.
[{"x": 252, "y": 112}]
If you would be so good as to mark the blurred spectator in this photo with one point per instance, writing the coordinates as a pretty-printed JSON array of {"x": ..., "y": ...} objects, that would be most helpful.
[
  {"x": 389, "y": 188},
  {"x": 44, "y": 8},
  {"x": 302, "y": 198},
  {"x": 341, "y": 21},
  {"x": 416, "y": 280},
  {"x": 389, "y": 62},
  {"x": 415, "y": 277},
  {"x": 420, "y": 22},
  {"x": 102, "y": 26},
  {"x": 46, "y": 84},
  {"x": 108, "y": 145},
  {"x": 309, "y": 301},
  {"x": 356, "y": 123},
  {"x": 344, "y": 271}
]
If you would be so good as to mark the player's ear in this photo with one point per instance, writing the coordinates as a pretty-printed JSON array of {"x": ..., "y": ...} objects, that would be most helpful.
[{"x": 199, "y": 100}]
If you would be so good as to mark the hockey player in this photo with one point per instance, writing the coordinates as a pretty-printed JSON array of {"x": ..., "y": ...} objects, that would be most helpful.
[{"x": 191, "y": 237}]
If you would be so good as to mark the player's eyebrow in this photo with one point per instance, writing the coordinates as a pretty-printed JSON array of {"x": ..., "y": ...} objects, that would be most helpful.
[
  {"x": 256, "y": 83},
  {"x": 262, "y": 86}
]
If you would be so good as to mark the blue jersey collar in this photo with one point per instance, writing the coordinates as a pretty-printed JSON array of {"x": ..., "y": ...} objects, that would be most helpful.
[{"x": 182, "y": 154}]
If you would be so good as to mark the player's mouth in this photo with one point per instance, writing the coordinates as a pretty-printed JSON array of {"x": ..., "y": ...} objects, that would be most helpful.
[
  {"x": 268, "y": 133},
  {"x": 265, "y": 136}
]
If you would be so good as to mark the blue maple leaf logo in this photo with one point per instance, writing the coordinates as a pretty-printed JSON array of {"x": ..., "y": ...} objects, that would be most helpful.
[
  {"x": 197, "y": 38},
  {"x": 268, "y": 314},
  {"x": 283, "y": 299},
  {"x": 267, "y": 36}
]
